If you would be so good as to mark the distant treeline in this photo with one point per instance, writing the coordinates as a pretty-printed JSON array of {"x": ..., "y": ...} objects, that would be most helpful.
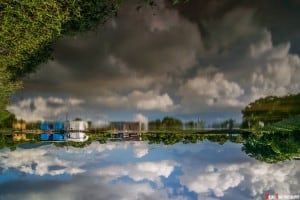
[
  {"x": 270, "y": 109},
  {"x": 170, "y": 123}
]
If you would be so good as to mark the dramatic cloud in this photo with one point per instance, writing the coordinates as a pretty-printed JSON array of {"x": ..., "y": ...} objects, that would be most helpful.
[
  {"x": 279, "y": 71},
  {"x": 257, "y": 178},
  {"x": 202, "y": 56},
  {"x": 138, "y": 100},
  {"x": 151, "y": 171},
  {"x": 37, "y": 162},
  {"x": 223, "y": 172},
  {"x": 215, "y": 91},
  {"x": 213, "y": 180},
  {"x": 135, "y": 52},
  {"x": 82, "y": 187},
  {"x": 39, "y": 108},
  {"x": 140, "y": 149}
]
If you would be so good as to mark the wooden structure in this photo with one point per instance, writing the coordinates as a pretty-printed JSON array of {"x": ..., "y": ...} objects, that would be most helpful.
[
  {"x": 126, "y": 127},
  {"x": 19, "y": 125}
]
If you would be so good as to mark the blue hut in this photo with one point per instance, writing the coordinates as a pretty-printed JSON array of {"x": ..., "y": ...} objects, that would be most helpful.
[
  {"x": 45, "y": 126},
  {"x": 57, "y": 126}
]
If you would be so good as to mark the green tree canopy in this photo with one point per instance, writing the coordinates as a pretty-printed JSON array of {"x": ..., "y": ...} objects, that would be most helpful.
[
  {"x": 28, "y": 28},
  {"x": 272, "y": 148},
  {"x": 271, "y": 109}
]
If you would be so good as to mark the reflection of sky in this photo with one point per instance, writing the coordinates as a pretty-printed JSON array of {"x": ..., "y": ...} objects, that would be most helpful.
[{"x": 136, "y": 170}]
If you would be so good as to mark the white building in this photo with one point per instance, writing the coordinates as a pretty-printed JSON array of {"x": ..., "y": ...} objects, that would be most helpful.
[{"x": 76, "y": 125}]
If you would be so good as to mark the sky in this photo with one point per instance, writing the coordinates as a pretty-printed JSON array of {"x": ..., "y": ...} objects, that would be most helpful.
[
  {"x": 204, "y": 59},
  {"x": 203, "y": 170}
]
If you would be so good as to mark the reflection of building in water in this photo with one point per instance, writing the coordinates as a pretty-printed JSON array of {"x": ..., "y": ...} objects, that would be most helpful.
[
  {"x": 126, "y": 136},
  {"x": 19, "y": 136},
  {"x": 128, "y": 131},
  {"x": 19, "y": 125},
  {"x": 132, "y": 137},
  {"x": 77, "y": 137}
]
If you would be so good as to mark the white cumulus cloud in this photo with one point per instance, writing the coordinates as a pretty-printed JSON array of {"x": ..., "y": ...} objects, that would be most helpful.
[
  {"x": 211, "y": 91},
  {"x": 150, "y": 171},
  {"x": 43, "y": 108},
  {"x": 150, "y": 100},
  {"x": 254, "y": 178},
  {"x": 37, "y": 162},
  {"x": 277, "y": 71}
]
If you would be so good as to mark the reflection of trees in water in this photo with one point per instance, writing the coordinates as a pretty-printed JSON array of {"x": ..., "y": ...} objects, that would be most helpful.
[
  {"x": 172, "y": 138},
  {"x": 74, "y": 144},
  {"x": 6, "y": 140},
  {"x": 272, "y": 148},
  {"x": 153, "y": 138}
]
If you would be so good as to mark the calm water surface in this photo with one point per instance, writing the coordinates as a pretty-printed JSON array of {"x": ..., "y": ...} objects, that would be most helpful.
[{"x": 138, "y": 170}]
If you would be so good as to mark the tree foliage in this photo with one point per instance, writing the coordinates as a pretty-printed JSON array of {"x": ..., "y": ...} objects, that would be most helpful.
[
  {"x": 28, "y": 28},
  {"x": 272, "y": 148},
  {"x": 173, "y": 138},
  {"x": 167, "y": 123},
  {"x": 271, "y": 109},
  {"x": 6, "y": 119},
  {"x": 227, "y": 124}
]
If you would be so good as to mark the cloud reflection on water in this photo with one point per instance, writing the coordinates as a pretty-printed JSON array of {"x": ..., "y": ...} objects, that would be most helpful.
[{"x": 137, "y": 170}]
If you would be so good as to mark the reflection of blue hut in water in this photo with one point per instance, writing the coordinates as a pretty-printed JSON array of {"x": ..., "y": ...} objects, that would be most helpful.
[
  {"x": 46, "y": 136},
  {"x": 52, "y": 131},
  {"x": 58, "y": 137},
  {"x": 52, "y": 137}
]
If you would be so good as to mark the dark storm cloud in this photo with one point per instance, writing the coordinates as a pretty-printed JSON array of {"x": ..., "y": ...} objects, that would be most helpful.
[
  {"x": 280, "y": 17},
  {"x": 200, "y": 56},
  {"x": 132, "y": 51}
]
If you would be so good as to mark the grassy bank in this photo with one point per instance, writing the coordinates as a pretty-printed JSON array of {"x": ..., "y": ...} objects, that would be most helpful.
[{"x": 287, "y": 125}]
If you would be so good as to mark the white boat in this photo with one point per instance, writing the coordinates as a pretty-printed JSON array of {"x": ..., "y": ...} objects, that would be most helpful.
[{"x": 77, "y": 137}]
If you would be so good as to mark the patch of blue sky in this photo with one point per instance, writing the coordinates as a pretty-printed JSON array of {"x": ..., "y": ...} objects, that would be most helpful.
[
  {"x": 178, "y": 189},
  {"x": 13, "y": 175}
]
